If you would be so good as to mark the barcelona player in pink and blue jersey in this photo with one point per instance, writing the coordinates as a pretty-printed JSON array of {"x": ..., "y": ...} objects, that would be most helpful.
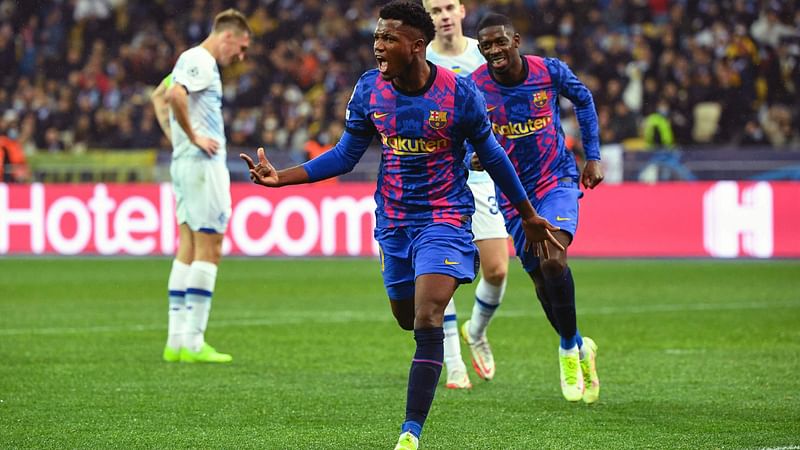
[
  {"x": 522, "y": 95},
  {"x": 421, "y": 115}
]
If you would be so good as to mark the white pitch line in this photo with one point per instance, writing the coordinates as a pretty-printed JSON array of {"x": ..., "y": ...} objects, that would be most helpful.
[
  {"x": 641, "y": 309},
  {"x": 360, "y": 316}
]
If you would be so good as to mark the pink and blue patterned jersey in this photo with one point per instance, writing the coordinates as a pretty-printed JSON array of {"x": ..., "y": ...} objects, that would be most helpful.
[
  {"x": 422, "y": 176},
  {"x": 526, "y": 121}
]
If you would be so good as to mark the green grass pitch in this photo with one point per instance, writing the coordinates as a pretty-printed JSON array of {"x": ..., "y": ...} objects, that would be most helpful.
[{"x": 692, "y": 354}]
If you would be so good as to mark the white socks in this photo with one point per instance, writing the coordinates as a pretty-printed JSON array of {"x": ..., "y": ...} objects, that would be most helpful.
[
  {"x": 452, "y": 346},
  {"x": 569, "y": 351},
  {"x": 487, "y": 299},
  {"x": 199, "y": 289},
  {"x": 177, "y": 304}
]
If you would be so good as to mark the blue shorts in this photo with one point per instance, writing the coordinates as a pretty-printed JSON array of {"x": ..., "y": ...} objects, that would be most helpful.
[
  {"x": 408, "y": 252},
  {"x": 559, "y": 207}
]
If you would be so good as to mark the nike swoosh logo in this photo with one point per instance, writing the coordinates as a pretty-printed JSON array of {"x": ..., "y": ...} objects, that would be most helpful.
[
  {"x": 451, "y": 263},
  {"x": 379, "y": 115},
  {"x": 562, "y": 219},
  {"x": 490, "y": 108}
]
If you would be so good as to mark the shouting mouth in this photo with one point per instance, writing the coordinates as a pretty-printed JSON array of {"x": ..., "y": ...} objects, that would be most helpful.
[{"x": 383, "y": 65}]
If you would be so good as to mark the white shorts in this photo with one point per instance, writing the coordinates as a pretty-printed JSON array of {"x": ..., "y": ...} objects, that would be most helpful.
[
  {"x": 202, "y": 194},
  {"x": 487, "y": 222}
]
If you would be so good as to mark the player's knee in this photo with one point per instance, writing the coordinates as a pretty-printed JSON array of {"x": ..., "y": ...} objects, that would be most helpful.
[
  {"x": 552, "y": 268},
  {"x": 427, "y": 321},
  {"x": 430, "y": 314},
  {"x": 208, "y": 253},
  {"x": 495, "y": 275}
]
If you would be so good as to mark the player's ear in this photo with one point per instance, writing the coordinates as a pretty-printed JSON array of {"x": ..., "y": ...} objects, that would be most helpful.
[{"x": 418, "y": 46}]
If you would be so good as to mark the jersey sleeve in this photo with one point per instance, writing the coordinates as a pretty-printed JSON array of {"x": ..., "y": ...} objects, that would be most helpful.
[
  {"x": 495, "y": 161},
  {"x": 473, "y": 108},
  {"x": 193, "y": 72},
  {"x": 357, "y": 120},
  {"x": 167, "y": 81},
  {"x": 340, "y": 159},
  {"x": 573, "y": 89}
]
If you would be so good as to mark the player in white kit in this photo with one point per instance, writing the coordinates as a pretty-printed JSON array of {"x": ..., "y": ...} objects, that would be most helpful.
[
  {"x": 201, "y": 181},
  {"x": 453, "y": 50}
]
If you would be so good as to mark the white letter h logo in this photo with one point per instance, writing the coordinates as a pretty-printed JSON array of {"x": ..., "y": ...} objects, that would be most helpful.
[{"x": 725, "y": 219}]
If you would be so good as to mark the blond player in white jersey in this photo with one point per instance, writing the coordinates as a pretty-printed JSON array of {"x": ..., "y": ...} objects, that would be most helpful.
[
  {"x": 188, "y": 105},
  {"x": 453, "y": 50}
]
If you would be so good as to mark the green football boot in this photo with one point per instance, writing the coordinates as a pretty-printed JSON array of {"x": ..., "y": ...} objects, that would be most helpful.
[
  {"x": 407, "y": 441},
  {"x": 589, "y": 369},
  {"x": 171, "y": 354},
  {"x": 207, "y": 354},
  {"x": 571, "y": 376}
]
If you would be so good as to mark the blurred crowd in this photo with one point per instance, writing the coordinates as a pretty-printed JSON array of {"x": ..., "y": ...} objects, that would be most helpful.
[{"x": 76, "y": 74}]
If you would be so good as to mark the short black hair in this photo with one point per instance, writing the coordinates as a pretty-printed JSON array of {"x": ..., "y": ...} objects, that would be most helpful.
[
  {"x": 411, "y": 14},
  {"x": 232, "y": 19},
  {"x": 495, "y": 20}
]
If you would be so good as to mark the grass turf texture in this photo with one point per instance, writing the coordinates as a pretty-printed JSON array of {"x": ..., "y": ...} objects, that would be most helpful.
[{"x": 693, "y": 354}]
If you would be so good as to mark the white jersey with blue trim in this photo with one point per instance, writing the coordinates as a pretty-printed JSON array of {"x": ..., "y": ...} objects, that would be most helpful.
[
  {"x": 197, "y": 71},
  {"x": 463, "y": 65}
]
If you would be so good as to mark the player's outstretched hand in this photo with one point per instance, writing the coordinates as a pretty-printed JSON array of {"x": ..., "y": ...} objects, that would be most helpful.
[
  {"x": 538, "y": 231},
  {"x": 206, "y": 144},
  {"x": 262, "y": 173},
  {"x": 592, "y": 174}
]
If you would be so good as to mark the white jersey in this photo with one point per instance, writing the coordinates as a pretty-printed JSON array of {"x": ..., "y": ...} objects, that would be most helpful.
[
  {"x": 463, "y": 64},
  {"x": 197, "y": 71}
]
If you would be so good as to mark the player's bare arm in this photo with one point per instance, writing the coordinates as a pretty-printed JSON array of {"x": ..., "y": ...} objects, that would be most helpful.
[
  {"x": 179, "y": 101},
  {"x": 160, "y": 101},
  {"x": 265, "y": 174},
  {"x": 592, "y": 174}
]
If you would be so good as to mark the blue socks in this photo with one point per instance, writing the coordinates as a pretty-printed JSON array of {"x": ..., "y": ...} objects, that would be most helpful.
[
  {"x": 423, "y": 377},
  {"x": 413, "y": 427},
  {"x": 561, "y": 294}
]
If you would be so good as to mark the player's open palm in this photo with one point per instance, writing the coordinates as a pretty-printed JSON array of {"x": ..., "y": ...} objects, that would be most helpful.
[
  {"x": 262, "y": 173},
  {"x": 537, "y": 231}
]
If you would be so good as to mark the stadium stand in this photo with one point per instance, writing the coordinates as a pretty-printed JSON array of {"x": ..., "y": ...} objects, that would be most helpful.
[{"x": 76, "y": 75}]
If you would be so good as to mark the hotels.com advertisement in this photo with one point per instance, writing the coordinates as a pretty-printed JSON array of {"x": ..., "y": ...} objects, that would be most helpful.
[{"x": 700, "y": 219}]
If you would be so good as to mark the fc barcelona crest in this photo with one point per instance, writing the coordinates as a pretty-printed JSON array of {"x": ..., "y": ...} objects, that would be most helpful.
[
  {"x": 438, "y": 119},
  {"x": 540, "y": 99}
]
